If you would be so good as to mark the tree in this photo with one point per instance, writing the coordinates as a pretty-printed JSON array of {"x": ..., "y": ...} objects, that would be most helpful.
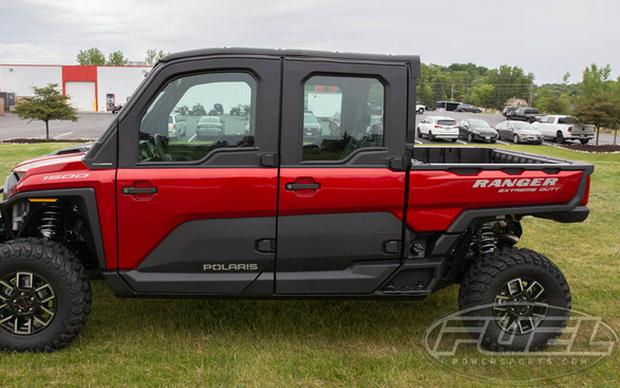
[
  {"x": 595, "y": 80},
  {"x": 91, "y": 56},
  {"x": 153, "y": 56},
  {"x": 47, "y": 104},
  {"x": 117, "y": 58},
  {"x": 481, "y": 94},
  {"x": 602, "y": 110}
]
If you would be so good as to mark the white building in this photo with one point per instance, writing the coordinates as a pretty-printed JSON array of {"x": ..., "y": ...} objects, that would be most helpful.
[{"x": 91, "y": 88}]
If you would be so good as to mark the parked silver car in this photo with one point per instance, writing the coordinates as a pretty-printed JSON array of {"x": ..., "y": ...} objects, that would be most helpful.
[{"x": 519, "y": 132}]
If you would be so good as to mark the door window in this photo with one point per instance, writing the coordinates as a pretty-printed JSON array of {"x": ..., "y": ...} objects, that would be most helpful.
[
  {"x": 196, "y": 114},
  {"x": 341, "y": 115}
]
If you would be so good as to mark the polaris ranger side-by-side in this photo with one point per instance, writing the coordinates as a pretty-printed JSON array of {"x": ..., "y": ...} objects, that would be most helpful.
[{"x": 263, "y": 209}]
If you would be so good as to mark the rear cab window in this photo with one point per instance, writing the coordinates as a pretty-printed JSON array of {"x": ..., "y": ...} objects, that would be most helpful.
[
  {"x": 446, "y": 122},
  {"x": 341, "y": 115}
]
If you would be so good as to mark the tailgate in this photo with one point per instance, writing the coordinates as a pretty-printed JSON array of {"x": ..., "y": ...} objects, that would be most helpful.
[{"x": 583, "y": 129}]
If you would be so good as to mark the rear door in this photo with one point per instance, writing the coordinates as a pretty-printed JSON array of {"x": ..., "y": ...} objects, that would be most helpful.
[
  {"x": 197, "y": 216},
  {"x": 340, "y": 205}
]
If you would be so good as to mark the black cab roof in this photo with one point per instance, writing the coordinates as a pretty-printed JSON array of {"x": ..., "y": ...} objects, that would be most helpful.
[{"x": 412, "y": 60}]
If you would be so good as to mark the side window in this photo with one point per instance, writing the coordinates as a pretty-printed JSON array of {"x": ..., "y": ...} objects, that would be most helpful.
[
  {"x": 341, "y": 115},
  {"x": 197, "y": 114}
]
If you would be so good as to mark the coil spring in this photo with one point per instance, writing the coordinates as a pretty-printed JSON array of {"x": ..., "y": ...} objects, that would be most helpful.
[
  {"x": 486, "y": 240},
  {"x": 51, "y": 222}
]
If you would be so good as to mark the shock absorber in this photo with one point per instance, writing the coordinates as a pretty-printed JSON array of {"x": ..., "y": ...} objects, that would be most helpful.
[
  {"x": 51, "y": 224},
  {"x": 486, "y": 240}
]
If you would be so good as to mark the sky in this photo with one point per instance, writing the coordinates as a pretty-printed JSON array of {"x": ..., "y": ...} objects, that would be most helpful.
[{"x": 545, "y": 37}]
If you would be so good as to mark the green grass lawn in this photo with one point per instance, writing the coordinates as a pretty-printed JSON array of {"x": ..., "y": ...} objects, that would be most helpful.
[{"x": 315, "y": 343}]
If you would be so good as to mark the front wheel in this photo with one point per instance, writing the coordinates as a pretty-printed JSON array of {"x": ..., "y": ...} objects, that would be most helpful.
[
  {"x": 45, "y": 295},
  {"x": 519, "y": 298},
  {"x": 470, "y": 138}
]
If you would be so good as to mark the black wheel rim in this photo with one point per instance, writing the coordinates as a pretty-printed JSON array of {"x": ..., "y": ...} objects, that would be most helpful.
[
  {"x": 520, "y": 306},
  {"x": 27, "y": 303}
]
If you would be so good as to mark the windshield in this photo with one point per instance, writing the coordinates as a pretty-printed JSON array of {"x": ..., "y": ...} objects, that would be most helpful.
[
  {"x": 478, "y": 123},
  {"x": 521, "y": 125}
]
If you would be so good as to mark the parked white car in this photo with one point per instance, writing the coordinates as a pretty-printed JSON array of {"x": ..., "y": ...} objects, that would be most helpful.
[
  {"x": 438, "y": 127},
  {"x": 420, "y": 108},
  {"x": 177, "y": 126},
  {"x": 561, "y": 128}
]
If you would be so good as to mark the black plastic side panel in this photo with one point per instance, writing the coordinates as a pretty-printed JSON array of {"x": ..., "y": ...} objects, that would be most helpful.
[
  {"x": 328, "y": 253},
  {"x": 168, "y": 283},
  {"x": 226, "y": 241},
  {"x": 360, "y": 278},
  {"x": 333, "y": 242},
  {"x": 207, "y": 257}
]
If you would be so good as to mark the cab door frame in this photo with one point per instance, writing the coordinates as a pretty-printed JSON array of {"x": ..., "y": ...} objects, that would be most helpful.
[
  {"x": 336, "y": 241},
  {"x": 183, "y": 235}
]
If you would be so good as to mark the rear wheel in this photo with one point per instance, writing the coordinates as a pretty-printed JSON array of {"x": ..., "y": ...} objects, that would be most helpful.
[
  {"x": 44, "y": 295},
  {"x": 430, "y": 136},
  {"x": 559, "y": 138},
  {"x": 470, "y": 138},
  {"x": 419, "y": 133},
  {"x": 515, "y": 139},
  {"x": 522, "y": 296},
  {"x": 584, "y": 141}
]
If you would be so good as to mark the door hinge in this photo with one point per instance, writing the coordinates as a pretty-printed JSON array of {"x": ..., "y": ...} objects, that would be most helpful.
[
  {"x": 268, "y": 159},
  {"x": 265, "y": 245}
]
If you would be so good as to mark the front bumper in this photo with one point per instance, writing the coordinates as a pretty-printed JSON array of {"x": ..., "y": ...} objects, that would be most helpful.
[
  {"x": 485, "y": 138},
  {"x": 530, "y": 139}
]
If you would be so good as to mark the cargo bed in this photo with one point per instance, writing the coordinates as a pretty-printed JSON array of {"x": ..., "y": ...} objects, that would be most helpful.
[{"x": 450, "y": 158}]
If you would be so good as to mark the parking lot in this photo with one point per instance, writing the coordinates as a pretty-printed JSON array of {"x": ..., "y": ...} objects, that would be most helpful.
[{"x": 92, "y": 125}]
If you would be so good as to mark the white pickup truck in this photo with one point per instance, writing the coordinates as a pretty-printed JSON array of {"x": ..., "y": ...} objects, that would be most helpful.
[{"x": 561, "y": 128}]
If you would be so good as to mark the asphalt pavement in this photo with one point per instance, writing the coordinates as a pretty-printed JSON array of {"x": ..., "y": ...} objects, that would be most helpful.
[{"x": 92, "y": 125}]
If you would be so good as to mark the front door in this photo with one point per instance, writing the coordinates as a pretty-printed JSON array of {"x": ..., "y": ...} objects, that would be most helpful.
[
  {"x": 196, "y": 184},
  {"x": 340, "y": 205}
]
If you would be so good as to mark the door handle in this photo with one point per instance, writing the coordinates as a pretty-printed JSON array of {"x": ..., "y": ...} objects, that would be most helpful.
[
  {"x": 302, "y": 186},
  {"x": 138, "y": 190}
]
